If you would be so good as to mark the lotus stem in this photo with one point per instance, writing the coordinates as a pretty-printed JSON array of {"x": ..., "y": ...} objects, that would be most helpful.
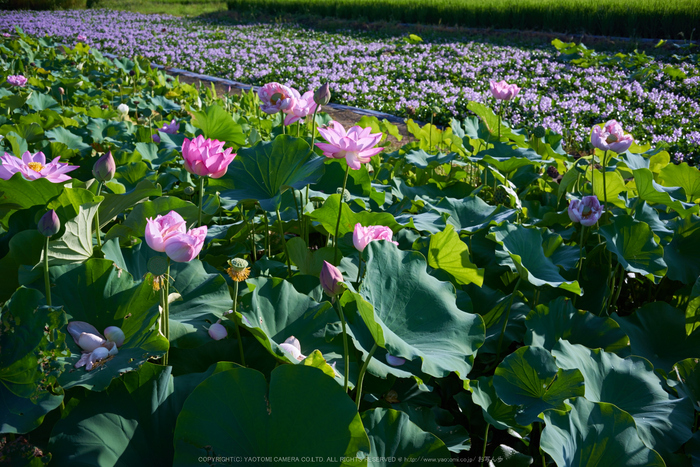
[
  {"x": 296, "y": 206},
  {"x": 97, "y": 219},
  {"x": 47, "y": 282},
  {"x": 605, "y": 185},
  {"x": 238, "y": 331},
  {"x": 201, "y": 200},
  {"x": 313, "y": 128},
  {"x": 359, "y": 270},
  {"x": 346, "y": 354},
  {"x": 486, "y": 437},
  {"x": 361, "y": 378},
  {"x": 505, "y": 321},
  {"x": 284, "y": 242},
  {"x": 267, "y": 235},
  {"x": 252, "y": 240},
  {"x": 166, "y": 312},
  {"x": 580, "y": 257},
  {"x": 306, "y": 224},
  {"x": 340, "y": 212}
]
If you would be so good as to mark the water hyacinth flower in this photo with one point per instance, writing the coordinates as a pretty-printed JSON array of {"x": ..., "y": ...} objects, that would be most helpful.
[
  {"x": 611, "y": 137},
  {"x": 305, "y": 106},
  {"x": 293, "y": 346},
  {"x": 34, "y": 166},
  {"x": 587, "y": 211},
  {"x": 17, "y": 80},
  {"x": 361, "y": 236},
  {"x": 95, "y": 347},
  {"x": 49, "y": 224},
  {"x": 331, "y": 279},
  {"x": 81, "y": 37},
  {"x": 355, "y": 145},
  {"x": 170, "y": 129},
  {"x": 276, "y": 97},
  {"x": 105, "y": 168},
  {"x": 503, "y": 91},
  {"x": 161, "y": 228},
  {"x": 206, "y": 157}
]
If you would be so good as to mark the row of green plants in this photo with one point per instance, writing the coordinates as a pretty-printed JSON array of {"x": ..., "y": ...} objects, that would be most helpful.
[{"x": 199, "y": 278}]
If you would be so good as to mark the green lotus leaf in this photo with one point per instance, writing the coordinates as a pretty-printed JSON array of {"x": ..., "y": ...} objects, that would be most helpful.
[
  {"x": 496, "y": 412},
  {"x": 393, "y": 436},
  {"x": 115, "y": 204},
  {"x": 327, "y": 216},
  {"x": 438, "y": 422},
  {"x": 630, "y": 384},
  {"x": 25, "y": 249},
  {"x": 67, "y": 204},
  {"x": 612, "y": 187},
  {"x": 652, "y": 192},
  {"x": 684, "y": 250},
  {"x": 422, "y": 159},
  {"x": 506, "y": 158},
  {"x": 685, "y": 378},
  {"x": 19, "y": 193},
  {"x": 530, "y": 379},
  {"x": 547, "y": 324},
  {"x": 506, "y": 456},
  {"x": 595, "y": 432},
  {"x": 75, "y": 245},
  {"x": 263, "y": 172},
  {"x": 415, "y": 315},
  {"x": 132, "y": 422},
  {"x": 73, "y": 141},
  {"x": 103, "y": 295},
  {"x": 684, "y": 176},
  {"x": 216, "y": 123},
  {"x": 303, "y": 413},
  {"x": 449, "y": 253},
  {"x": 634, "y": 245},
  {"x": 657, "y": 333},
  {"x": 308, "y": 261},
  {"x": 524, "y": 246},
  {"x": 472, "y": 213}
]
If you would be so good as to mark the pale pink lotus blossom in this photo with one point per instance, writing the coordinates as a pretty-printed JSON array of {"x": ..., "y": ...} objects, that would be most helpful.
[
  {"x": 293, "y": 346},
  {"x": 331, "y": 279},
  {"x": 304, "y": 107},
  {"x": 356, "y": 145},
  {"x": 611, "y": 137},
  {"x": 587, "y": 211},
  {"x": 206, "y": 157},
  {"x": 34, "y": 166},
  {"x": 217, "y": 331},
  {"x": 184, "y": 247},
  {"x": 17, "y": 80},
  {"x": 503, "y": 91},
  {"x": 361, "y": 236},
  {"x": 95, "y": 348},
  {"x": 161, "y": 228},
  {"x": 277, "y": 97}
]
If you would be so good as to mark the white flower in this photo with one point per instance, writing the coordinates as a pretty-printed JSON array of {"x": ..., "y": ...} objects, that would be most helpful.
[
  {"x": 293, "y": 346},
  {"x": 123, "y": 109},
  {"x": 95, "y": 347}
]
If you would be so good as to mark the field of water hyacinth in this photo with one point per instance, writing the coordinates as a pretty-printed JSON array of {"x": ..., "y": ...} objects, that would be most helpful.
[
  {"x": 192, "y": 278},
  {"x": 656, "y": 99}
]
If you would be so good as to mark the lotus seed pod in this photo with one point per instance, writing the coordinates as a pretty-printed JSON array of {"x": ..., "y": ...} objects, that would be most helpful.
[
  {"x": 217, "y": 331},
  {"x": 540, "y": 131},
  {"x": 346, "y": 194},
  {"x": 151, "y": 83},
  {"x": 552, "y": 171},
  {"x": 238, "y": 264},
  {"x": 189, "y": 191},
  {"x": 500, "y": 196},
  {"x": 115, "y": 334},
  {"x": 322, "y": 96},
  {"x": 49, "y": 224}
]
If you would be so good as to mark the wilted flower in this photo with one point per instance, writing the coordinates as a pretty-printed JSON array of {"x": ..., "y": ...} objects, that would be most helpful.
[
  {"x": 17, "y": 80},
  {"x": 304, "y": 106},
  {"x": 611, "y": 137},
  {"x": 331, "y": 279},
  {"x": 361, "y": 236},
  {"x": 503, "y": 91},
  {"x": 322, "y": 96},
  {"x": 158, "y": 230},
  {"x": 123, "y": 109},
  {"x": 34, "y": 166},
  {"x": 293, "y": 346},
  {"x": 217, "y": 331},
  {"x": 355, "y": 145},
  {"x": 95, "y": 347},
  {"x": 49, "y": 224},
  {"x": 104, "y": 168},
  {"x": 115, "y": 334},
  {"x": 276, "y": 97},
  {"x": 587, "y": 211},
  {"x": 206, "y": 157}
]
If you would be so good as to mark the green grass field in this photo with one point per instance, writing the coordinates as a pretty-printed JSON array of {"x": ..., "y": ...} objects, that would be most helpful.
[{"x": 675, "y": 19}]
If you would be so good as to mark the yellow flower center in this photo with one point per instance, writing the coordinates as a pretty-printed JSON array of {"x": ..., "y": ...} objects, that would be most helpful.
[{"x": 35, "y": 166}]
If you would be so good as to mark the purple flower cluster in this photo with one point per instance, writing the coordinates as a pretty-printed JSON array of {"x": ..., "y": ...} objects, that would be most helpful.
[{"x": 392, "y": 76}]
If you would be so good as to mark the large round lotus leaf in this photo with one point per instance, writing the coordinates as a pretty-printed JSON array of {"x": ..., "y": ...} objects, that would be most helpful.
[
  {"x": 274, "y": 311},
  {"x": 657, "y": 333},
  {"x": 472, "y": 213},
  {"x": 28, "y": 360},
  {"x": 506, "y": 456},
  {"x": 631, "y": 385},
  {"x": 103, "y": 295},
  {"x": 632, "y": 242},
  {"x": 530, "y": 379},
  {"x": 131, "y": 423},
  {"x": 685, "y": 378},
  {"x": 327, "y": 216},
  {"x": 524, "y": 246},
  {"x": 396, "y": 441},
  {"x": 560, "y": 320},
  {"x": 438, "y": 422},
  {"x": 303, "y": 413},
  {"x": 684, "y": 250},
  {"x": 415, "y": 316},
  {"x": 262, "y": 172},
  {"x": 20, "y": 193},
  {"x": 595, "y": 434},
  {"x": 449, "y": 253},
  {"x": 684, "y": 176},
  {"x": 652, "y": 192},
  {"x": 496, "y": 412}
]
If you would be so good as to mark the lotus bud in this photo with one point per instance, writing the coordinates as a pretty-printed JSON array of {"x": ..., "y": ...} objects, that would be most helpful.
[
  {"x": 346, "y": 194},
  {"x": 123, "y": 109},
  {"x": 217, "y": 331},
  {"x": 49, "y": 224},
  {"x": 61, "y": 91},
  {"x": 151, "y": 83},
  {"x": 189, "y": 191},
  {"x": 331, "y": 279},
  {"x": 104, "y": 168},
  {"x": 90, "y": 342},
  {"x": 322, "y": 96},
  {"x": 115, "y": 334}
]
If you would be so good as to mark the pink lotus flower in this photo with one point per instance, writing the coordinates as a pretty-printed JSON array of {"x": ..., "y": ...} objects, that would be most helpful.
[
  {"x": 587, "y": 211},
  {"x": 277, "y": 97},
  {"x": 17, "y": 80},
  {"x": 611, "y": 137},
  {"x": 184, "y": 247},
  {"x": 304, "y": 107},
  {"x": 161, "y": 228},
  {"x": 34, "y": 166},
  {"x": 355, "y": 145},
  {"x": 361, "y": 236},
  {"x": 206, "y": 157},
  {"x": 503, "y": 91}
]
